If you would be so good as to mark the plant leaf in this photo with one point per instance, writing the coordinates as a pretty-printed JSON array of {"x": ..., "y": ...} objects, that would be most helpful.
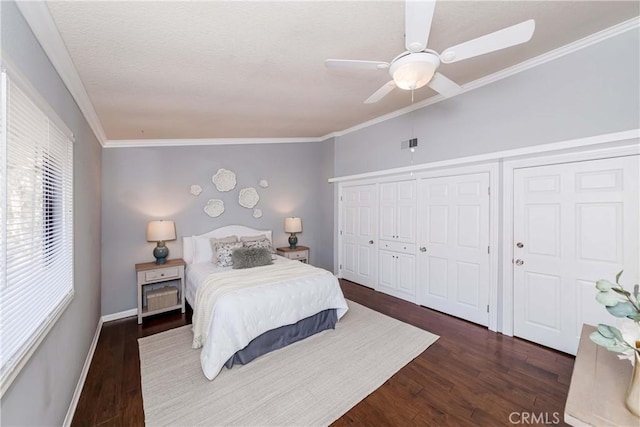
[
  {"x": 605, "y": 331},
  {"x": 618, "y": 277},
  {"x": 604, "y": 285},
  {"x": 616, "y": 333},
  {"x": 597, "y": 338},
  {"x": 622, "y": 309},
  {"x": 617, "y": 348},
  {"x": 607, "y": 298}
]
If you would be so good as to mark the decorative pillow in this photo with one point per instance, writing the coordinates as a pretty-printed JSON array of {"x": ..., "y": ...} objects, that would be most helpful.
[
  {"x": 213, "y": 241},
  {"x": 253, "y": 238},
  {"x": 223, "y": 252},
  {"x": 260, "y": 243},
  {"x": 250, "y": 257},
  {"x": 228, "y": 239}
]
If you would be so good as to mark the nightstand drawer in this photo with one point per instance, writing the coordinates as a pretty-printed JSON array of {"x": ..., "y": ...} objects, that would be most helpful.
[
  {"x": 165, "y": 273},
  {"x": 297, "y": 255}
]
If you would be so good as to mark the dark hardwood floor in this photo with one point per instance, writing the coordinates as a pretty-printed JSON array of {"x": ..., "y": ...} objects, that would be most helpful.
[{"x": 469, "y": 377}]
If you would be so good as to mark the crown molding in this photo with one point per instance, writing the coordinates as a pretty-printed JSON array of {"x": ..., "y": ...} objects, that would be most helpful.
[
  {"x": 552, "y": 55},
  {"x": 37, "y": 15},
  {"x": 39, "y": 19},
  {"x": 133, "y": 143}
]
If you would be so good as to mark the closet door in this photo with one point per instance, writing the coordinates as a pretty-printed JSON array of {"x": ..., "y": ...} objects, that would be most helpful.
[
  {"x": 453, "y": 259},
  {"x": 359, "y": 219},
  {"x": 398, "y": 211},
  {"x": 388, "y": 211},
  {"x": 574, "y": 223},
  {"x": 406, "y": 211}
]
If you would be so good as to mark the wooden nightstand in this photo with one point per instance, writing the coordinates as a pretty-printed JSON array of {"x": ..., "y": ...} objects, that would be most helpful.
[
  {"x": 151, "y": 273},
  {"x": 300, "y": 253}
]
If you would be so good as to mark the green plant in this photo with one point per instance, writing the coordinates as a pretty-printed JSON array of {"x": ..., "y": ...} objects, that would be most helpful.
[{"x": 622, "y": 304}]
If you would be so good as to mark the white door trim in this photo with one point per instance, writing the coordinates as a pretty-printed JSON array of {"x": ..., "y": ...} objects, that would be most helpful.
[{"x": 633, "y": 148}]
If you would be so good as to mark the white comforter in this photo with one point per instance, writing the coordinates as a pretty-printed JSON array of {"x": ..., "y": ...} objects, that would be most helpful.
[{"x": 235, "y": 306}]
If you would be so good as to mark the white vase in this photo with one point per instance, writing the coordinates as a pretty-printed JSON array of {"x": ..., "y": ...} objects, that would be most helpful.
[{"x": 632, "y": 399}]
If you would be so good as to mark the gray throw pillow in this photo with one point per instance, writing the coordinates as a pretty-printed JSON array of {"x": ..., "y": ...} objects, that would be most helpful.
[{"x": 250, "y": 257}]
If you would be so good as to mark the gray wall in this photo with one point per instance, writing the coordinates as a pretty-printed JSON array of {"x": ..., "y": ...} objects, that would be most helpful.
[
  {"x": 42, "y": 392},
  {"x": 141, "y": 184},
  {"x": 593, "y": 91}
]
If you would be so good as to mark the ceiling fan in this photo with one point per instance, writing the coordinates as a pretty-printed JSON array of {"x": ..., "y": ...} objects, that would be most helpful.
[{"x": 417, "y": 66}]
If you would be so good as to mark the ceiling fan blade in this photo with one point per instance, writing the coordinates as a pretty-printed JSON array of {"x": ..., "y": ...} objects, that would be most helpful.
[
  {"x": 363, "y": 65},
  {"x": 381, "y": 93},
  {"x": 418, "y": 15},
  {"x": 500, "y": 39},
  {"x": 444, "y": 86}
]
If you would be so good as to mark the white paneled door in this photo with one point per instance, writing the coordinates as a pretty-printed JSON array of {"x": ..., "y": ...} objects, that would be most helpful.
[
  {"x": 453, "y": 259},
  {"x": 574, "y": 223},
  {"x": 359, "y": 219},
  {"x": 398, "y": 211}
]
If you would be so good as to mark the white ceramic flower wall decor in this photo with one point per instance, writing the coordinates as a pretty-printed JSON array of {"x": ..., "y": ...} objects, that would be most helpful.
[
  {"x": 224, "y": 180},
  {"x": 214, "y": 207},
  {"x": 195, "y": 190},
  {"x": 257, "y": 213},
  {"x": 248, "y": 197},
  {"x": 263, "y": 183}
]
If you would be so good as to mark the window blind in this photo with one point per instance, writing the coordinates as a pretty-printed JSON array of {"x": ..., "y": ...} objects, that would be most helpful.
[{"x": 36, "y": 213}]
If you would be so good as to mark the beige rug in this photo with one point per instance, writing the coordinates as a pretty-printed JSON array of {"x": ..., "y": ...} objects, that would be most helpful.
[{"x": 311, "y": 383}]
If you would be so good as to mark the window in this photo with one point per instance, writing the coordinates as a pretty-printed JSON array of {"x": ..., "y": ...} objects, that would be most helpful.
[{"x": 36, "y": 215}]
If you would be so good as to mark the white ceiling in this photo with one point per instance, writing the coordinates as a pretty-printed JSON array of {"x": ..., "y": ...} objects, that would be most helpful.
[{"x": 236, "y": 69}]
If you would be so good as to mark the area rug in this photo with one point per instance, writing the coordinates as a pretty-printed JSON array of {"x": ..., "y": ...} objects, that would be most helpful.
[{"x": 312, "y": 382}]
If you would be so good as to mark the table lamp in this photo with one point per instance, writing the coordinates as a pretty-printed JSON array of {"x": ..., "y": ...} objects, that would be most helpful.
[
  {"x": 293, "y": 225},
  {"x": 161, "y": 231}
]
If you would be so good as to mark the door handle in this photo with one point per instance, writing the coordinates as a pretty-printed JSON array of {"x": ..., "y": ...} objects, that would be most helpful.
[
  {"x": 423, "y": 249},
  {"x": 520, "y": 245},
  {"x": 371, "y": 242},
  {"x": 519, "y": 262}
]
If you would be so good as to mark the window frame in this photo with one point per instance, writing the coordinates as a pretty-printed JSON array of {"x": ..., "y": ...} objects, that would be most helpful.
[{"x": 9, "y": 75}]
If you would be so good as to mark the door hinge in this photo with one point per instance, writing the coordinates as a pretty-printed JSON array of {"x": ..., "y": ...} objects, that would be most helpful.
[
  {"x": 487, "y": 308},
  {"x": 340, "y": 198},
  {"x": 489, "y": 191},
  {"x": 341, "y": 232},
  {"x": 488, "y": 249},
  {"x": 340, "y": 266}
]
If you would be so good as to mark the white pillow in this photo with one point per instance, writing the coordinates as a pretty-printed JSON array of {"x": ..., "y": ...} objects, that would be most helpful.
[{"x": 201, "y": 250}]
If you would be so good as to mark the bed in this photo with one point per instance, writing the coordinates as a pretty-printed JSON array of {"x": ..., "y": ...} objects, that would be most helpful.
[{"x": 240, "y": 314}]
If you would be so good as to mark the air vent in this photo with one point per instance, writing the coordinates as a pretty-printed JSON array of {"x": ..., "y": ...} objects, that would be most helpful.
[{"x": 409, "y": 143}]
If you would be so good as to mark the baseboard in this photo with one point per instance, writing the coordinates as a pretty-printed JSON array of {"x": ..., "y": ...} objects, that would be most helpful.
[
  {"x": 119, "y": 315},
  {"x": 83, "y": 376}
]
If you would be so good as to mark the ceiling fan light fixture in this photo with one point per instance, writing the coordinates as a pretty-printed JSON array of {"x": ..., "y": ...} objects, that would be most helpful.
[{"x": 414, "y": 70}]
